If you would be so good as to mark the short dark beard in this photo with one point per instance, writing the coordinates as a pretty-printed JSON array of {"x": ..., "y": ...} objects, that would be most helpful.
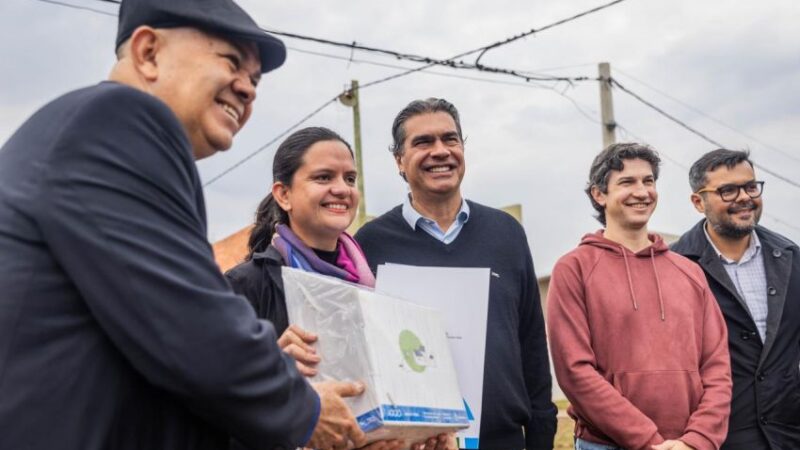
[
  {"x": 731, "y": 230},
  {"x": 726, "y": 228}
]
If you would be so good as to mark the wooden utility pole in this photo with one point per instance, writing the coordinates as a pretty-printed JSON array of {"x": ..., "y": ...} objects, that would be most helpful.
[
  {"x": 350, "y": 98},
  {"x": 606, "y": 105}
]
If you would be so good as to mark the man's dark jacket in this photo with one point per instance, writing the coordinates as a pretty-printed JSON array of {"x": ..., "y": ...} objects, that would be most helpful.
[
  {"x": 117, "y": 329},
  {"x": 766, "y": 377}
]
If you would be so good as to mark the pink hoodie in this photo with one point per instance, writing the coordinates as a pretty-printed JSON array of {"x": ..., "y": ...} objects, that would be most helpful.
[{"x": 639, "y": 346}]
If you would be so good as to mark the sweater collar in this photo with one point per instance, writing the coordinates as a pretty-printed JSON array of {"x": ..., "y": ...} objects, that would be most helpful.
[{"x": 412, "y": 216}]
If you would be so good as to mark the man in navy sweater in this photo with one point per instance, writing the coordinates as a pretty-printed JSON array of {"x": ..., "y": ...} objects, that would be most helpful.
[{"x": 436, "y": 226}]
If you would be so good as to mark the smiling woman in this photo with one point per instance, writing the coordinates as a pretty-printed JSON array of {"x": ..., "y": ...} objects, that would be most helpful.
[{"x": 301, "y": 223}]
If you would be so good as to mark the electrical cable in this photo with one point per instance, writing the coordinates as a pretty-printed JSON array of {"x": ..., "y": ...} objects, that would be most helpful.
[
  {"x": 433, "y": 61},
  {"x": 424, "y": 59},
  {"x": 84, "y": 8},
  {"x": 535, "y": 85},
  {"x": 534, "y": 30},
  {"x": 660, "y": 153},
  {"x": 429, "y": 62},
  {"x": 307, "y": 117},
  {"x": 544, "y": 71},
  {"x": 272, "y": 141},
  {"x": 449, "y": 62},
  {"x": 708, "y": 116},
  {"x": 694, "y": 131}
]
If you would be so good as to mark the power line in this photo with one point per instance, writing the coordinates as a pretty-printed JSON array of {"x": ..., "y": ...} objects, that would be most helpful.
[
  {"x": 578, "y": 107},
  {"x": 527, "y": 75},
  {"x": 701, "y": 135},
  {"x": 664, "y": 113},
  {"x": 324, "y": 105},
  {"x": 272, "y": 141},
  {"x": 543, "y": 71},
  {"x": 534, "y": 30},
  {"x": 424, "y": 59},
  {"x": 441, "y": 74},
  {"x": 428, "y": 61},
  {"x": 533, "y": 85},
  {"x": 708, "y": 116},
  {"x": 84, "y": 8},
  {"x": 660, "y": 153},
  {"x": 449, "y": 62}
]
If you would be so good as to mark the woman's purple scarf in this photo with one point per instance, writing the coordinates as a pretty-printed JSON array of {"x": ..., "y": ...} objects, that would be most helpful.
[{"x": 351, "y": 265}]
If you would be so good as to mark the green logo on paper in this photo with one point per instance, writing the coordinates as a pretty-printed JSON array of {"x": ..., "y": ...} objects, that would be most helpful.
[{"x": 414, "y": 351}]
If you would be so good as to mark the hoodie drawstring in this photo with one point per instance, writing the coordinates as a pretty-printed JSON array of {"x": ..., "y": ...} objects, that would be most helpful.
[
  {"x": 630, "y": 280},
  {"x": 658, "y": 285}
]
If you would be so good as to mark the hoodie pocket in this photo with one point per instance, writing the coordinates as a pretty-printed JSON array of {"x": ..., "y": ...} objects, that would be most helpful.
[{"x": 667, "y": 397}]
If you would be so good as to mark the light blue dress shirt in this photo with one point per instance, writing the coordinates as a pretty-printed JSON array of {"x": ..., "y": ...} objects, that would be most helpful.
[
  {"x": 750, "y": 279},
  {"x": 415, "y": 219}
]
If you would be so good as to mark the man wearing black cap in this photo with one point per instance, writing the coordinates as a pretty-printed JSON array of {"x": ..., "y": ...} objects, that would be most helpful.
[{"x": 117, "y": 330}]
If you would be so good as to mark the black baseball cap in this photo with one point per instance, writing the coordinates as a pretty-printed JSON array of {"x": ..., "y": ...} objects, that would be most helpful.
[{"x": 222, "y": 17}]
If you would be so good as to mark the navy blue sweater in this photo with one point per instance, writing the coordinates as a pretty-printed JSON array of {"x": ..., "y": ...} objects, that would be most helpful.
[{"x": 517, "y": 383}]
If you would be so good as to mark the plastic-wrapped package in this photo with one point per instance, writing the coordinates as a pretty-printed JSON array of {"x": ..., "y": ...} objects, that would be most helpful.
[{"x": 399, "y": 350}]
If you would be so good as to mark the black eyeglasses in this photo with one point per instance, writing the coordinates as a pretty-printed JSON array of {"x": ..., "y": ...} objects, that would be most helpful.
[{"x": 730, "y": 192}]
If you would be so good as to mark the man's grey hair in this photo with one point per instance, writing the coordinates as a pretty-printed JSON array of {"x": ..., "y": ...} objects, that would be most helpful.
[
  {"x": 612, "y": 158},
  {"x": 415, "y": 108},
  {"x": 698, "y": 174}
]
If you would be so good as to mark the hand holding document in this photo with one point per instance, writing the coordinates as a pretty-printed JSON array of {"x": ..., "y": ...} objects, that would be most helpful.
[
  {"x": 297, "y": 342},
  {"x": 336, "y": 427},
  {"x": 398, "y": 349}
]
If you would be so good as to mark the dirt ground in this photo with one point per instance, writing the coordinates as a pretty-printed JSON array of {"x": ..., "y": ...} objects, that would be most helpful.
[{"x": 566, "y": 426}]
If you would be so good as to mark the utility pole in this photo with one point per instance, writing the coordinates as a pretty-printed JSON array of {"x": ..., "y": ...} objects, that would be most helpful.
[
  {"x": 350, "y": 98},
  {"x": 606, "y": 105}
]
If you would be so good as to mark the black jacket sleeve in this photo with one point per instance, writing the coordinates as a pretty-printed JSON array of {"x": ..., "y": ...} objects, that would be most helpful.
[
  {"x": 247, "y": 280},
  {"x": 259, "y": 280},
  {"x": 122, "y": 210}
]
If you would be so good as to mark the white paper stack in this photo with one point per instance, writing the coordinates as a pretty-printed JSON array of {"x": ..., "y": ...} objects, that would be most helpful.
[
  {"x": 398, "y": 349},
  {"x": 462, "y": 295}
]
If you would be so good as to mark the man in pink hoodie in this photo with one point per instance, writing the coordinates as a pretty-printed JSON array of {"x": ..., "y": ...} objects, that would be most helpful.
[{"x": 638, "y": 342}]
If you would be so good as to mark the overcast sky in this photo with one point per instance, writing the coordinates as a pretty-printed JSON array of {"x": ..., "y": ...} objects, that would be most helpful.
[{"x": 730, "y": 69}]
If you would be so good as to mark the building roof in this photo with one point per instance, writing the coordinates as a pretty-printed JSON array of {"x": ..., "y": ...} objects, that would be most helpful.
[{"x": 231, "y": 250}]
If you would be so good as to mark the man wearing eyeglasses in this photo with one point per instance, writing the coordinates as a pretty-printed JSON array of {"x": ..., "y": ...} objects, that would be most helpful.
[{"x": 754, "y": 274}]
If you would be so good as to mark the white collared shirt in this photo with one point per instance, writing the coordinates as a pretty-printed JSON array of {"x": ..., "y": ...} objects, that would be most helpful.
[
  {"x": 750, "y": 279},
  {"x": 414, "y": 219}
]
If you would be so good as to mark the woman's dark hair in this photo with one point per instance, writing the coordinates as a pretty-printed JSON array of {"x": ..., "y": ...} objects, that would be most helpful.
[{"x": 288, "y": 159}]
